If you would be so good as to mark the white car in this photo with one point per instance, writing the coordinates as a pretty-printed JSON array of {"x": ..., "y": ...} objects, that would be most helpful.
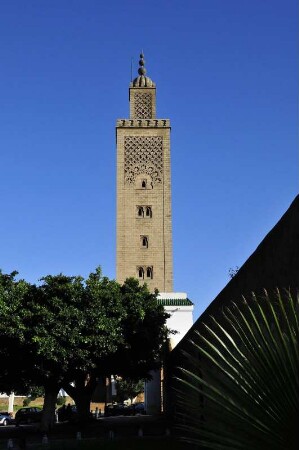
[{"x": 5, "y": 419}]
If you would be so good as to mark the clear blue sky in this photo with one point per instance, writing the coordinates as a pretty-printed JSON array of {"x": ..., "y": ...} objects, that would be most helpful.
[{"x": 226, "y": 74}]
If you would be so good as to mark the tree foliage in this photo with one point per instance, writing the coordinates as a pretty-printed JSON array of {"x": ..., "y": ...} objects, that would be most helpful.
[
  {"x": 13, "y": 294},
  {"x": 128, "y": 389},
  {"x": 143, "y": 333},
  {"x": 67, "y": 331}
]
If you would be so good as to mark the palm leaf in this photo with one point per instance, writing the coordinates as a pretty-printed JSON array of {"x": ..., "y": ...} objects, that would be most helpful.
[{"x": 238, "y": 387}]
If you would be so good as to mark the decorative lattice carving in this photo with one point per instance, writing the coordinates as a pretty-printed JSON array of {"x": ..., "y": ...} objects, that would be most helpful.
[
  {"x": 142, "y": 105},
  {"x": 143, "y": 154}
]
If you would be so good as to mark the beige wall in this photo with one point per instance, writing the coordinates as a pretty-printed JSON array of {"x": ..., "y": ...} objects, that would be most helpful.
[{"x": 143, "y": 153}]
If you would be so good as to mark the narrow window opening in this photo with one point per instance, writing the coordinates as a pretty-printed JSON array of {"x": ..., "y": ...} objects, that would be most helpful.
[
  {"x": 140, "y": 211},
  {"x": 149, "y": 272},
  {"x": 140, "y": 272},
  {"x": 143, "y": 184},
  {"x": 148, "y": 211},
  {"x": 144, "y": 241}
]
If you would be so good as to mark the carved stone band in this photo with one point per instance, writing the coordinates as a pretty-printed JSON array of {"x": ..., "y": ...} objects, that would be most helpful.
[{"x": 143, "y": 123}]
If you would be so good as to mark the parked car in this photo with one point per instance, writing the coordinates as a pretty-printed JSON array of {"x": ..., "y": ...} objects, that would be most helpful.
[
  {"x": 5, "y": 418},
  {"x": 28, "y": 415},
  {"x": 137, "y": 408},
  {"x": 117, "y": 409}
]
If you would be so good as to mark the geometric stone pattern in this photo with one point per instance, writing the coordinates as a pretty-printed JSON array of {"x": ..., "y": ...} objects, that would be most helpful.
[
  {"x": 143, "y": 105},
  {"x": 143, "y": 155}
]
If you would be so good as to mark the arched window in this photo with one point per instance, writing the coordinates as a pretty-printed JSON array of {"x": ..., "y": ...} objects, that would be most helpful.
[
  {"x": 148, "y": 211},
  {"x": 140, "y": 272},
  {"x": 143, "y": 184},
  {"x": 149, "y": 272},
  {"x": 140, "y": 211},
  {"x": 144, "y": 241}
]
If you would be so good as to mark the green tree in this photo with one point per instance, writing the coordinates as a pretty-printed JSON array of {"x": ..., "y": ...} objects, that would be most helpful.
[
  {"x": 128, "y": 389},
  {"x": 101, "y": 335},
  {"x": 71, "y": 330},
  {"x": 139, "y": 337},
  {"x": 144, "y": 333},
  {"x": 68, "y": 332},
  {"x": 54, "y": 333},
  {"x": 17, "y": 360}
]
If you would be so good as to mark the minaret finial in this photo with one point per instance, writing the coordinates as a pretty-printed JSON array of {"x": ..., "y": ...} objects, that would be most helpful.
[
  {"x": 142, "y": 80},
  {"x": 142, "y": 69}
]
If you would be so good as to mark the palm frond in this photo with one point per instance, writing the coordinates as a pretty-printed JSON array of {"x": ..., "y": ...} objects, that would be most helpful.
[{"x": 238, "y": 388}]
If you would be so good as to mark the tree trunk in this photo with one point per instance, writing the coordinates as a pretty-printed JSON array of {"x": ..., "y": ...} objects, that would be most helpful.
[
  {"x": 81, "y": 393},
  {"x": 82, "y": 400},
  {"x": 48, "y": 415}
]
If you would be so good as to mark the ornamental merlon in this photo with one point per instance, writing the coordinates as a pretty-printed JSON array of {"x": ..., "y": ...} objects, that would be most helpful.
[{"x": 143, "y": 123}]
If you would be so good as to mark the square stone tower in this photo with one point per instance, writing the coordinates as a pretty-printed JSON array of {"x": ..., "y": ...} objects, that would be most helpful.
[{"x": 144, "y": 235}]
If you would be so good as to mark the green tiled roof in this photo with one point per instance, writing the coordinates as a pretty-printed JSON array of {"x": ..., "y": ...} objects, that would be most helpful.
[{"x": 174, "y": 302}]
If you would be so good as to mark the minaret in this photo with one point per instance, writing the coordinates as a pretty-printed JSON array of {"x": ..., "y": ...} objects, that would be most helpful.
[{"x": 144, "y": 236}]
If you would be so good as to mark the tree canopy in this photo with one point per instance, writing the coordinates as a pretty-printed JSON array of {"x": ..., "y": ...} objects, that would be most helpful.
[{"x": 68, "y": 331}]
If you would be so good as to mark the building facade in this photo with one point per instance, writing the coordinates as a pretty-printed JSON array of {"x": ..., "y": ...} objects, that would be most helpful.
[{"x": 144, "y": 235}]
